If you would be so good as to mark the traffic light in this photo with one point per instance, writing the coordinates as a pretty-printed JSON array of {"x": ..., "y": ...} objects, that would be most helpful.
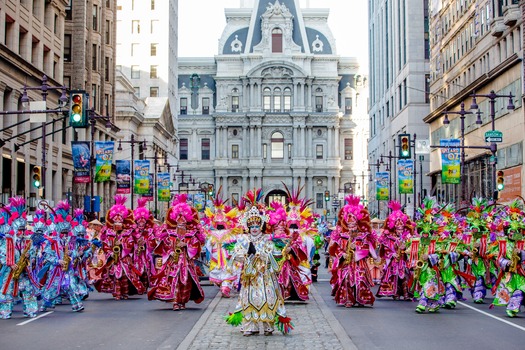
[
  {"x": 500, "y": 180},
  {"x": 210, "y": 190},
  {"x": 404, "y": 146},
  {"x": 78, "y": 103},
  {"x": 36, "y": 176},
  {"x": 327, "y": 196}
]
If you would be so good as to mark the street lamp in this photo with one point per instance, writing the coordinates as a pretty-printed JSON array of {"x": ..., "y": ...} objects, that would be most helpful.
[
  {"x": 132, "y": 141},
  {"x": 492, "y": 96},
  {"x": 462, "y": 113}
]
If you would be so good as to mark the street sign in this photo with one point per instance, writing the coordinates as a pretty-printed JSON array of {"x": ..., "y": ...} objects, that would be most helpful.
[
  {"x": 423, "y": 146},
  {"x": 493, "y": 136}
]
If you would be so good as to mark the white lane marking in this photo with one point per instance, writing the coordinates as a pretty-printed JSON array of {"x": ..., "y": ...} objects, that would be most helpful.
[
  {"x": 34, "y": 319},
  {"x": 494, "y": 317}
]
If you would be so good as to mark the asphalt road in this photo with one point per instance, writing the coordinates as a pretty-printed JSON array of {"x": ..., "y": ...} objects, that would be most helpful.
[
  {"x": 395, "y": 325},
  {"x": 130, "y": 324}
]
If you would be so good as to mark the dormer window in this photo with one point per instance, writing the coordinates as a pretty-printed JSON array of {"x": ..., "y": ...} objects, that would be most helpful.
[{"x": 277, "y": 40}]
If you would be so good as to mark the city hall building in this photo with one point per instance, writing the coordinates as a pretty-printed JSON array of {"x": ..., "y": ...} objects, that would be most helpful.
[{"x": 275, "y": 106}]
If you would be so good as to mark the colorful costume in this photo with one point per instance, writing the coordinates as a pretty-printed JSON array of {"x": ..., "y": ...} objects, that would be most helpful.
[
  {"x": 175, "y": 279},
  {"x": 118, "y": 275},
  {"x": 352, "y": 243},
  {"x": 221, "y": 238},
  {"x": 17, "y": 255},
  {"x": 260, "y": 300},
  {"x": 143, "y": 233},
  {"x": 397, "y": 229}
]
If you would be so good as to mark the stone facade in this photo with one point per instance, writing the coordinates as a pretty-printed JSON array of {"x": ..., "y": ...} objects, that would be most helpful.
[{"x": 269, "y": 108}]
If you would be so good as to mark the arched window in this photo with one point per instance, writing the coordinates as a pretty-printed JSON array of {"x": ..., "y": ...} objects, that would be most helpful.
[
  {"x": 287, "y": 99},
  {"x": 319, "y": 100},
  {"x": 277, "y": 145},
  {"x": 235, "y": 100},
  {"x": 277, "y": 40},
  {"x": 277, "y": 99},
  {"x": 267, "y": 99}
]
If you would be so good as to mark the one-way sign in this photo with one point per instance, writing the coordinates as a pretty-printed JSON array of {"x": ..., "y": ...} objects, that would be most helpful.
[{"x": 493, "y": 136}]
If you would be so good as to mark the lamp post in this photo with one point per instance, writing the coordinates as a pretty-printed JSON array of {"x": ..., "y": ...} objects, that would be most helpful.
[
  {"x": 132, "y": 141},
  {"x": 492, "y": 96},
  {"x": 44, "y": 88},
  {"x": 462, "y": 113}
]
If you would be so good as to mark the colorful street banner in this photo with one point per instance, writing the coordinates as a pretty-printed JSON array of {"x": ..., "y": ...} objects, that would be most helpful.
[
  {"x": 104, "y": 160},
  {"x": 149, "y": 195},
  {"x": 382, "y": 186},
  {"x": 81, "y": 162},
  {"x": 450, "y": 162},
  {"x": 405, "y": 174},
  {"x": 163, "y": 187},
  {"x": 123, "y": 176},
  {"x": 141, "y": 176}
]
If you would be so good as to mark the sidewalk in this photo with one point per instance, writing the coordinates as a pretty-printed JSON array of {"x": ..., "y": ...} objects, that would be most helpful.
[{"x": 315, "y": 328}]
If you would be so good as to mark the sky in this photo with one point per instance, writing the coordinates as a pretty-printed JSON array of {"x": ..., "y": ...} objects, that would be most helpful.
[{"x": 199, "y": 31}]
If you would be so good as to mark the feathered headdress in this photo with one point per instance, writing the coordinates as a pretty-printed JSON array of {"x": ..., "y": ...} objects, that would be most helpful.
[
  {"x": 17, "y": 207},
  {"x": 40, "y": 224},
  {"x": 119, "y": 209},
  {"x": 395, "y": 214},
  {"x": 298, "y": 208},
  {"x": 514, "y": 226},
  {"x": 478, "y": 214},
  {"x": 79, "y": 223},
  {"x": 141, "y": 212},
  {"x": 425, "y": 216},
  {"x": 353, "y": 207},
  {"x": 276, "y": 213},
  {"x": 220, "y": 214},
  {"x": 5, "y": 213},
  {"x": 61, "y": 218},
  {"x": 256, "y": 214},
  {"x": 181, "y": 210}
]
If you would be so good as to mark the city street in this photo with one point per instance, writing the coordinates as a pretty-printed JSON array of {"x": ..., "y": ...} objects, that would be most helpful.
[{"x": 320, "y": 324}]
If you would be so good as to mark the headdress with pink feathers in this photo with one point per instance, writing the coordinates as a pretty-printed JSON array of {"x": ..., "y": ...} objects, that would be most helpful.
[
  {"x": 17, "y": 207},
  {"x": 353, "y": 207},
  {"x": 61, "y": 218},
  {"x": 181, "y": 208},
  {"x": 396, "y": 214},
  {"x": 141, "y": 212},
  {"x": 79, "y": 223}
]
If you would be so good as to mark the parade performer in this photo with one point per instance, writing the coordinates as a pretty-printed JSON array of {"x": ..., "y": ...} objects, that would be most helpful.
[
  {"x": 424, "y": 258},
  {"x": 143, "y": 234},
  {"x": 397, "y": 229},
  {"x": 509, "y": 287},
  {"x": 221, "y": 238},
  {"x": 176, "y": 279},
  {"x": 59, "y": 254},
  {"x": 260, "y": 301},
  {"x": 17, "y": 255},
  {"x": 352, "y": 243},
  {"x": 84, "y": 251},
  {"x": 481, "y": 242},
  {"x": 118, "y": 275}
]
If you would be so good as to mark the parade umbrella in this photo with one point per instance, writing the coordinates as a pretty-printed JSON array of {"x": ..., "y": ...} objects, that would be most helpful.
[{"x": 96, "y": 222}]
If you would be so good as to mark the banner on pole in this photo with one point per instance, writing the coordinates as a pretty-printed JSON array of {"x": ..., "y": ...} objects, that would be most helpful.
[
  {"x": 81, "y": 162},
  {"x": 104, "y": 160},
  {"x": 450, "y": 163},
  {"x": 123, "y": 176},
  {"x": 382, "y": 186},
  {"x": 141, "y": 176},
  {"x": 149, "y": 195},
  {"x": 163, "y": 187},
  {"x": 405, "y": 168}
]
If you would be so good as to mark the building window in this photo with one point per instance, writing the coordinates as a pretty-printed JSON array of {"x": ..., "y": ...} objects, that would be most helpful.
[
  {"x": 153, "y": 50},
  {"x": 319, "y": 152},
  {"x": 154, "y": 91},
  {"x": 153, "y": 72},
  {"x": 94, "y": 95},
  {"x": 349, "y": 149},
  {"x": 108, "y": 4},
  {"x": 183, "y": 105},
  {"x": 318, "y": 103},
  {"x": 106, "y": 68},
  {"x": 55, "y": 24},
  {"x": 235, "y": 151},
  {"x": 205, "y": 149},
  {"x": 106, "y": 103},
  {"x": 205, "y": 105},
  {"x": 427, "y": 88},
  {"x": 108, "y": 31},
  {"x": 267, "y": 99},
  {"x": 135, "y": 27},
  {"x": 348, "y": 105},
  {"x": 137, "y": 91},
  {"x": 152, "y": 4},
  {"x": 277, "y": 145},
  {"x": 183, "y": 150},
  {"x": 277, "y": 100},
  {"x": 235, "y": 103},
  {"x": 94, "y": 57},
  {"x": 135, "y": 72},
  {"x": 69, "y": 13},
  {"x": 95, "y": 18},
  {"x": 134, "y": 49},
  {"x": 287, "y": 99},
  {"x": 319, "y": 201},
  {"x": 277, "y": 40},
  {"x": 67, "y": 47}
]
